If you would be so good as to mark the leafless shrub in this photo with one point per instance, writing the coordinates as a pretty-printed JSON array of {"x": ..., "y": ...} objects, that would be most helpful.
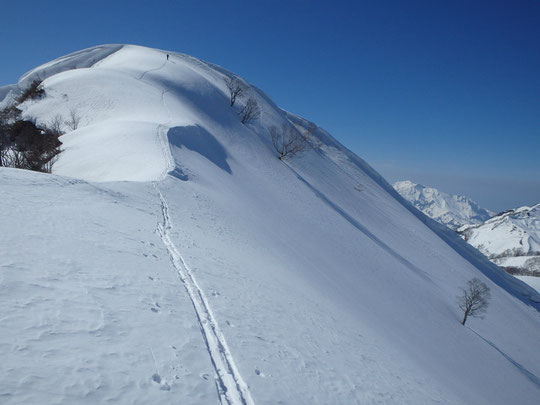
[
  {"x": 8, "y": 116},
  {"x": 54, "y": 126},
  {"x": 30, "y": 147},
  {"x": 34, "y": 91},
  {"x": 24, "y": 144},
  {"x": 289, "y": 141},
  {"x": 474, "y": 299},
  {"x": 33, "y": 148},
  {"x": 5, "y": 156},
  {"x": 74, "y": 119},
  {"x": 48, "y": 164},
  {"x": 236, "y": 88},
  {"x": 250, "y": 112},
  {"x": 13, "y": 158}
]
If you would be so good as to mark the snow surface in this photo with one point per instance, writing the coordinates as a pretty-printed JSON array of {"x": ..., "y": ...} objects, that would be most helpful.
[
  {"x": 77, "y": 60},
  {"x": 172, "y": 258},
  {"x": 450, "y": 210},
  {"x": 534, "y": 282}
]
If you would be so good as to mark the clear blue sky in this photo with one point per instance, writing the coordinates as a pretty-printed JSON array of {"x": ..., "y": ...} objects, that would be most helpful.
[{"x": 445, "y": 93}]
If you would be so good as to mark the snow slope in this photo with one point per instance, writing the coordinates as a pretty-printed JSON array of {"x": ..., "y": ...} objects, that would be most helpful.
[
  {"x": 534, "y": 282},
  {"x": 510, "y": 239},
  {"x": 450, "y": 210},
  {"x": 173, "y": 258}
]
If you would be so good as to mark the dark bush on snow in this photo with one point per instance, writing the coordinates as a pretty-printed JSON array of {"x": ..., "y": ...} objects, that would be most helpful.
[
  {"x": 8, "y": 116},
  {"x": 23, "y": 145},
  {"x": 33, "y": 92}
]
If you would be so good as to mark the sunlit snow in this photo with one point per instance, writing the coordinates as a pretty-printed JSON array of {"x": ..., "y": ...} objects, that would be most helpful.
[{"x": 172, "y": 258}]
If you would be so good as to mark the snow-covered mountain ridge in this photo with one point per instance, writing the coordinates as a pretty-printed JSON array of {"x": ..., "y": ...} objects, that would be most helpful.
[
  {"x": 172, "y": 257},
  {"x": 510, "y": 239},
  {"x": 450, "y": 210}
]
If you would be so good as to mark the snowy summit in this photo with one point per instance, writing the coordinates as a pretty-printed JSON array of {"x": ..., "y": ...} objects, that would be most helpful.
[
  {"x": 448, "y": 209},
  {"x": 172, "y": 257}
]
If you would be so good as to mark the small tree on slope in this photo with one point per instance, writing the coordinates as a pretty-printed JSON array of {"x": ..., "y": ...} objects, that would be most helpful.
[
  {"x": 474, "y": 299},
  {"x": 288, "y": 141},
  {"x": 250, "y": 112},
  {"x": 236, "y": 88}
]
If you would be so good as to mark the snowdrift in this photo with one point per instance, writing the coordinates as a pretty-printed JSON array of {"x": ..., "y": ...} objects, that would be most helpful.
[{"x": 173, "y": 258}]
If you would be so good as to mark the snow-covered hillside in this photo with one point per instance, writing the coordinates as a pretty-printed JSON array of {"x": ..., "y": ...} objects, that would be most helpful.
[
  {"x": 173, "y": 258},
  {"x": 510, "y": 239},
  {"x": 448, "y": 209}
]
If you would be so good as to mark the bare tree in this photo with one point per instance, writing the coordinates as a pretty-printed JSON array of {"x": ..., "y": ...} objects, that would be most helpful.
[
  {"x": 236, "y": 88},
  {"x": 250, "y": 112},
  {"x": 288, "y": 141},
  {"x": 74, "y": 119},
  {"x": 48, "y": 164},
  {"x": 474, "y": 299},
  {"x": 54, "y": 126}
]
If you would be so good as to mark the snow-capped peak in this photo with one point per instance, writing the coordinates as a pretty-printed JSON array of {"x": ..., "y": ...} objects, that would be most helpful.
[{"x": 451, "y": 210}]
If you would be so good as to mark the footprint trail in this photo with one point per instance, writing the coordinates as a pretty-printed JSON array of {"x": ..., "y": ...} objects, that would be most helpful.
[{"x": 232, "y": 390}]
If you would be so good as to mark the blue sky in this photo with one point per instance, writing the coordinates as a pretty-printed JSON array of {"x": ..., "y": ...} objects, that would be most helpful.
[{"x": 445, "y": 93}]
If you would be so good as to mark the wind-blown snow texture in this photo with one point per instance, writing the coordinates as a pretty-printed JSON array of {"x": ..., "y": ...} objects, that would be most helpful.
[
  {"x": 172, "y": 258},
  {"x": 450, "y": 210}
]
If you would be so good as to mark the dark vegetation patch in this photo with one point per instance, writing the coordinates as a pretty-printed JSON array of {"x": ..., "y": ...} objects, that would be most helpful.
[{"x": 24, "y": 144}]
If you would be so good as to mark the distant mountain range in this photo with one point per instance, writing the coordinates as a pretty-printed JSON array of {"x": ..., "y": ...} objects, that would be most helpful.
[
  {"x": 453, "y": 211},
  {"x": 510, "y": 239}
]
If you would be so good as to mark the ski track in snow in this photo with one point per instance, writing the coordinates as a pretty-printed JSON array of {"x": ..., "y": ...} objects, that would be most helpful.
[
  {"x": 231, "y": 388},
  {"x": 152, "y": 70},
  {"x": 161, "y": 130},
  {"x": 532, "y": 377},
  {"x": 164, "y": 143}
]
